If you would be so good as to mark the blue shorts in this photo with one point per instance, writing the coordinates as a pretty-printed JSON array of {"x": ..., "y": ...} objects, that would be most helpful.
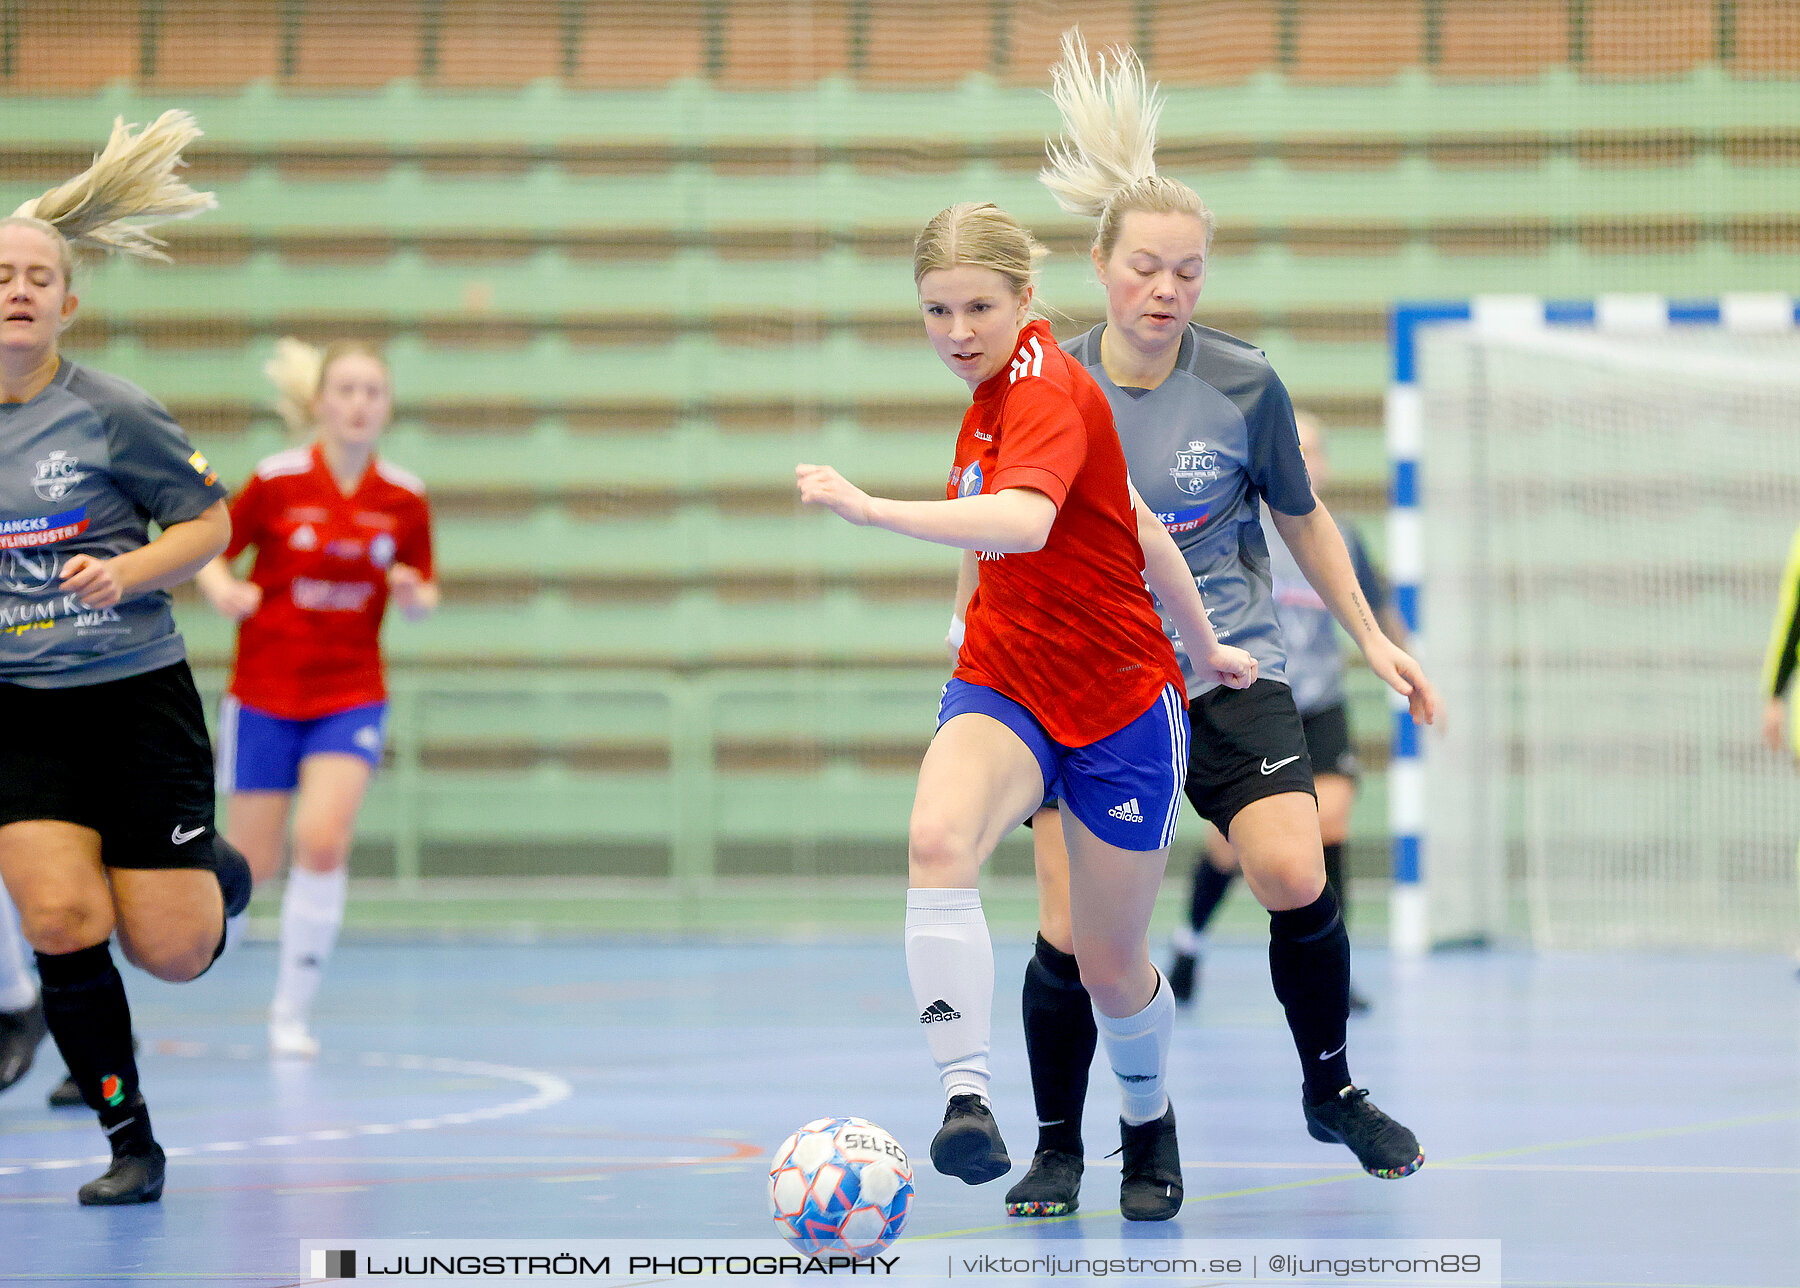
[
  {"x": 259, "y": 752},
  {"x": 1125, "y": 788}
]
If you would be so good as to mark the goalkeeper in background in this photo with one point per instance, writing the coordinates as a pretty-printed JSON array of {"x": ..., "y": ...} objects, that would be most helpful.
[{"x": 1784, "y": 655}]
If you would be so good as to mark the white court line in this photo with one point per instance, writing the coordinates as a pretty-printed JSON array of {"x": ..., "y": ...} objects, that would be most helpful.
[{"x": 546, "y": 1089}]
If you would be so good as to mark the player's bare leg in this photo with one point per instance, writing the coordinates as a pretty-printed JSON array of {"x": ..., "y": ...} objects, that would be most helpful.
[
  {"x": 21, "y": 1011},
  {"x": 1111, "y": 894},
  {"x": 1215, "y": 870},
  {"x": 1337, "y": 795},
  {"x": 1060, "y": 1037},
  {"x": 331, "y": 791},
  {"x": 52, "y": 870},
  {"x": 978, "y": 782},
  {"x": 1277, "y": 842}
]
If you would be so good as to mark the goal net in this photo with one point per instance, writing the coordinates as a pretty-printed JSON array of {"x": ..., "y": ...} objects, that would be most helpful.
[{"x": 1604, "y": 517}]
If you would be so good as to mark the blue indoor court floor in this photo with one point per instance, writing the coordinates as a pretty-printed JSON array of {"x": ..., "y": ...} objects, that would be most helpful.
[{"x": 1613, "y": 1120}]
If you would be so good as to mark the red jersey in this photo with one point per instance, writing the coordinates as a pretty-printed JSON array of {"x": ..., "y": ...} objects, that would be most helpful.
[
  {"x": 313, "y": 648},
  {"x": 1069, "y": 632}
]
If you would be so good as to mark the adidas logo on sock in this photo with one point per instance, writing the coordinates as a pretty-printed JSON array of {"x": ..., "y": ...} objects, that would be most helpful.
[
  {"x": 1128, "y": 811},
  {"x": 938, "y": 1012}
]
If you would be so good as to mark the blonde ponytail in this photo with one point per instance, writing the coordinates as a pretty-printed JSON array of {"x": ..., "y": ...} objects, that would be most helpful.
[
  {"x": 133, "y": 177},
  {"x": 1109, "y": 128},
  {"x": 1104, "y": 165},
  {"x": 295, "y": 371}
]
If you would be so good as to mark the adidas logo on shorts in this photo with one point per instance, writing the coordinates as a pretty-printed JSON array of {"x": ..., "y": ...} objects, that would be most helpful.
[
  {"x": 1128, "y": 811},
  {"x": 938, "y": 1012}
]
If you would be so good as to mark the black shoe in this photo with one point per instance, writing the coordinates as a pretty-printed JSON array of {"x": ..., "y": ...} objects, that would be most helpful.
[
  {"x": 1183, "y": 976},
  {"x": 1150, "y": 1189},
  {"x": 1050, "y": 1187},
  {"x": 1359, "y": 1005},
  {"x": 66, "y": 1095},
  {"x": 20, "y": 1033},
  {"x": 1381, "y": 1145},
  {"x": 132, "y": 1178},
  {"x": 968, "y": 1145}
]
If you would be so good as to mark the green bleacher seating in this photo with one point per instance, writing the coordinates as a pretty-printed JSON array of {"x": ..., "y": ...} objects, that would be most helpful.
[{"x": 631, "y": 259}]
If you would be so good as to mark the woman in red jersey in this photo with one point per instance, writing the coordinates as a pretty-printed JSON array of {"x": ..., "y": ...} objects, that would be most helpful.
[
  {"x": 338, "y": 532},
  {"x": 1066, "y": 687}
]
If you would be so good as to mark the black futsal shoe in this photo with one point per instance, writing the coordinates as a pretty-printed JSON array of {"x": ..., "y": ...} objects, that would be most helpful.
[
  {"x": 20, "y": 1033},
  {"x": 968, "y": 1145},
  {"x": 1381, "y": 1145},
  {"x": 1150, "y": 1188},
  {"x": 1183, "y": 976},
  {"x": 66, "y": 1095},
  {"x": 1050, "y": 1187},
  {"x": 132, "y": 1178}
]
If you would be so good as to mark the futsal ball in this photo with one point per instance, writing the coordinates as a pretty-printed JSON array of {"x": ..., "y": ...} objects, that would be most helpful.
[{"x": 840, "y": 1185}]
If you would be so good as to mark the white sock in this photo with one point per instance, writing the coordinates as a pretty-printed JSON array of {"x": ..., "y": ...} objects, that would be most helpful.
[
  {"x": 1186, "y": 940},
  {"x": 312, "y": 909},
  {"x": 950, "y": 962},
  {"x": 1137, "y": 1047},
  {"x": 18, "y": 986}
]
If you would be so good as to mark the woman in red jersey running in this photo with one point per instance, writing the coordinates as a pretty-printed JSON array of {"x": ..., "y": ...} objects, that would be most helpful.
[
  {"x": 338, "y": 532},
  {"x": 1066, "y": 687}
]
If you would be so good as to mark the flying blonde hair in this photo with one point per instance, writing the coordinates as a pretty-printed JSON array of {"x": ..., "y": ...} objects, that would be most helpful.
[
  {"x": 297, "y": 370},
  {"x": 132, "y": 177},
  {"x": 1104, "y": 165}
]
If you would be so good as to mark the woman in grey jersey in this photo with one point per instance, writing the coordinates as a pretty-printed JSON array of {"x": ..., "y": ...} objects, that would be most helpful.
[
  {"x": 106, "y": 806},
  {"x": 1209, "y": 437},
  {"x": 1315, "y": 676}
]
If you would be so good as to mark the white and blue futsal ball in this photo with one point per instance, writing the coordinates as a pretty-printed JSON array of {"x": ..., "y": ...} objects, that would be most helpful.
[{"x": 840, "y": 1185}]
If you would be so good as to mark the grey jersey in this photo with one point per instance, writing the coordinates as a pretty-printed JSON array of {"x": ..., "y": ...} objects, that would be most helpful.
[
  {"x": 1315, "y": 662},
  {"x": 1204, "y": 447},
  {"x": 85, "y": 466}
]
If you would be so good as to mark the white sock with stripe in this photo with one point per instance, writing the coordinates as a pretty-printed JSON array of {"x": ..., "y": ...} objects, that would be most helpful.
[
  {"x": 950, "y": 963},
  {"x": 1137, "y": 1048},
  {"x": 312, "y": 910}
]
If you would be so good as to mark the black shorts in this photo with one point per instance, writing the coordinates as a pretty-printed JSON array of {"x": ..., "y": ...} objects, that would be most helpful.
[
  {"x": 1328, "y": 742},
  {"x": 1247, "y": 744},
  {"x": 128, "y": 758}
]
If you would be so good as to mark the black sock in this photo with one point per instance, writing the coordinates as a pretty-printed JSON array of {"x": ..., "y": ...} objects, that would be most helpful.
[
  {"x": 1334, "y": 876},
  {"x": 1309, "y": 963},
  {"x": 1210, "y": 886},
  {"x": 85, "y": 1007},
  {"x": 1060, "y": 1038}
]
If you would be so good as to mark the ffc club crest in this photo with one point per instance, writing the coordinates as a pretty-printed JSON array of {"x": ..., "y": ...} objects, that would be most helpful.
[
  {"x": 1194, "y": 468},
  {"x": 56, "y": 474}
]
